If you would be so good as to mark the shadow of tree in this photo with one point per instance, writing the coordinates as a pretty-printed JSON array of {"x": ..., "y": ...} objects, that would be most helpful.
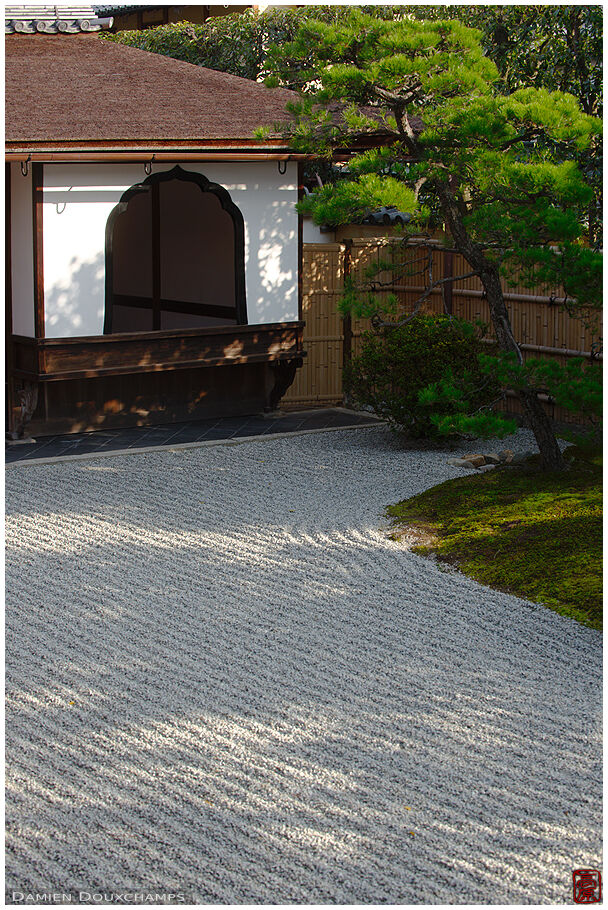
[
  {"x": 219, "y": 688},
  {"x": 70, "y": 306}
]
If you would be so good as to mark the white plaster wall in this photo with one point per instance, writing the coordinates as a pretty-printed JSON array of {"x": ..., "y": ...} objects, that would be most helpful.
[
  {"x": 311, "y": 233},
  {"x": 78, "y": 200},
  {"x": 22, "y": 252}
]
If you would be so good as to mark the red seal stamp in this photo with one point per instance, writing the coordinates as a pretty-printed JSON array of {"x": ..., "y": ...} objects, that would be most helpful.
[{"x": 586, "y": 886}]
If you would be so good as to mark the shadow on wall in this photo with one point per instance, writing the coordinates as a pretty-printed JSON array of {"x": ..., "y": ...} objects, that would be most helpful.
[
  {"x": 70, "y": 305},
  {"x": 274, "y": 250},
  {"x": 75, "y": 302}
]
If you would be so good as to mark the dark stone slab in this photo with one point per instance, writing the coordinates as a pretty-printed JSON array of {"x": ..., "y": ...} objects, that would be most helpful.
[{"x": 205, "y": 430}]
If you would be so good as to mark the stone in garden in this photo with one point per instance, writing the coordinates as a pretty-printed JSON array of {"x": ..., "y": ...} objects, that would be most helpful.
[
  {"x": 460, "y": 463},
  {"x": 505, "y": 455},
  {"x": 492, "y": 458},
  {"x": 476, "y": 460}
]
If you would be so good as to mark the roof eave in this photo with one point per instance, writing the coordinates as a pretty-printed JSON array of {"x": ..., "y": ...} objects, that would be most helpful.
[
  {"x": 149, "y": 143},
  {"x": 212, "y": 151}
]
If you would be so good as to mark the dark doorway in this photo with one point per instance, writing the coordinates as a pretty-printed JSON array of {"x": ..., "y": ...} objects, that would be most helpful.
[{"x": 175, "y": 256}]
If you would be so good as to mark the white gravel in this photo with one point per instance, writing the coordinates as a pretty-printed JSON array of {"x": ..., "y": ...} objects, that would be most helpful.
[{"x": 225, "y": 681}]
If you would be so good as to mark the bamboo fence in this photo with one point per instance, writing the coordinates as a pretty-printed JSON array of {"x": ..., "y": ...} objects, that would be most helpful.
[{"x": 540, "y": 325}]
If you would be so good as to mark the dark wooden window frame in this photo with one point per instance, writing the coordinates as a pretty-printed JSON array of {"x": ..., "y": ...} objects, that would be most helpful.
[
  {"x": 38, "y": 237},
  {"x": 8, "y": 302},
  {"x": 151, "y": 184}
]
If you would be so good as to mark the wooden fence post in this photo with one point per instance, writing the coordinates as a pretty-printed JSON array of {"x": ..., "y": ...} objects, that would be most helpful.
[
  {"x": 448, "y": 272},
  {"x": 347, "y": 322}
]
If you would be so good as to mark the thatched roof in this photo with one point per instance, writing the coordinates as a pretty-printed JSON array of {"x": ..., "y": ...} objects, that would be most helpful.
[{"x": 82, "y": 89}]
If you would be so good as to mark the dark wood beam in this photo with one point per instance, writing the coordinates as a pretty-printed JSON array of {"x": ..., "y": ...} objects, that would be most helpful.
[
  {"x": 37, "y": 185},
  {"x": 48, "y": 359},
  {"x": 8, "y": 304},
  {"x": 177, "y": 306},
  {"x": 170, "y": 151}
]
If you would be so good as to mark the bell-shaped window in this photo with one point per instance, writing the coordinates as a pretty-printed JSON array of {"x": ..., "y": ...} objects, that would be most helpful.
[{"x": 175, "y": 256}]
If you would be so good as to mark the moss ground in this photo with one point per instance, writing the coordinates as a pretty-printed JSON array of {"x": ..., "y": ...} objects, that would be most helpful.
[{"x": 538, "y": 535}]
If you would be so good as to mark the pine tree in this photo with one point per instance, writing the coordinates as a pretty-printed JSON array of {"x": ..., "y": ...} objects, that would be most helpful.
[{"x": 442, "y": 140}]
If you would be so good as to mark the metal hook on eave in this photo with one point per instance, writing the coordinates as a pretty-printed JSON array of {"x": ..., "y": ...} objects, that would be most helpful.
[
  {"x": 148, "y": 165},
  {"x": 284, "y": 163},
  {"x": 24, "y": 166}
]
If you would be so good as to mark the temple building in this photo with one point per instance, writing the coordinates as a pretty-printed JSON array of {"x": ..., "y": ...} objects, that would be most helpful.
[{"x": 153, "y": 245}]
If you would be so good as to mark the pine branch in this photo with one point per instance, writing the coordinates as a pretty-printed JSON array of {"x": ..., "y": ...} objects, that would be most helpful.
[
  {"x": 379, "y": 323},
  {"x": 526, "y": 136}
]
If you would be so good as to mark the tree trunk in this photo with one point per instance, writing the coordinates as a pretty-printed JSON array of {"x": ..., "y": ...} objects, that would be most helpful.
[
  {"x": 540, "y": 424},
  {"x": 534, "y": 412},
  {"x": 550, "y": 452}
]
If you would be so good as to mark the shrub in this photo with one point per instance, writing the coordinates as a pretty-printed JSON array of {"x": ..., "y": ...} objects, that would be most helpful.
[{"x": 421, "y": 375}]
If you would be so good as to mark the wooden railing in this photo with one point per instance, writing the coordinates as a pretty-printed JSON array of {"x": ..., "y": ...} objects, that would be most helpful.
[{"x": 128, "y": 353}]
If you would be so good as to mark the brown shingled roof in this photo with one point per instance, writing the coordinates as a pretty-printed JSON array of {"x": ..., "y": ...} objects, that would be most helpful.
[{"x": 85, "y": 90}]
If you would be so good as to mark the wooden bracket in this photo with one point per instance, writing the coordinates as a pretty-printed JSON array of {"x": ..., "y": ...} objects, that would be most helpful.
[
  {"x": 28, "y": 398},
  {"x": 284, "y": 372}
]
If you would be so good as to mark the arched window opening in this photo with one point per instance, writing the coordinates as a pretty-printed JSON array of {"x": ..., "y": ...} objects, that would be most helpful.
[{"x": 175, "y": 256}]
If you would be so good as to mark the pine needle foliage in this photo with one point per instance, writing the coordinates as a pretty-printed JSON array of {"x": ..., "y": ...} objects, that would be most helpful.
[
  {"x": 551, "y": 47},
  {"x": 426, "y": 379},
  {"x": 497, "y": 169}
]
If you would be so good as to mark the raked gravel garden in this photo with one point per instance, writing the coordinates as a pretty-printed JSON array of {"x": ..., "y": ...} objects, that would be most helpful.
[{"x": 227, "y": 681}]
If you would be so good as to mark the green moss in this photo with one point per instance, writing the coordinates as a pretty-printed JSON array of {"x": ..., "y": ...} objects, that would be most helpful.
[{"x": 538, "y": 535}]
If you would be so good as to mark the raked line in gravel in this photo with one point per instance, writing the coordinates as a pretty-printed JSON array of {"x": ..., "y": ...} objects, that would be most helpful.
[{"x": 225, "y": 681}]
